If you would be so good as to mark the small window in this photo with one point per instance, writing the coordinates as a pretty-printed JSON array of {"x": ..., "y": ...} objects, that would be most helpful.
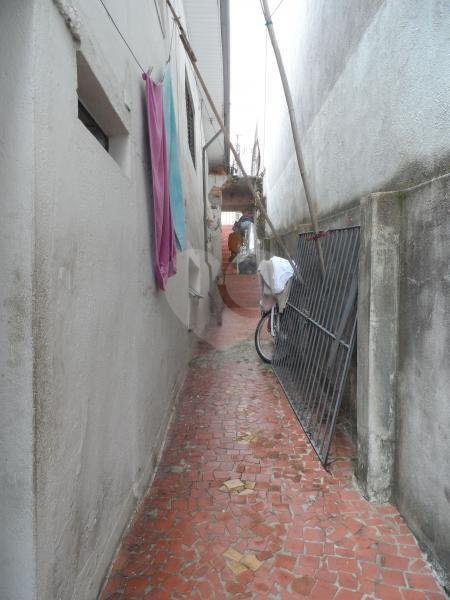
[
  {"x": 100, "y": 116},
  {"x": 190, "y": 115},
  {"x": 90, "y": 123}
]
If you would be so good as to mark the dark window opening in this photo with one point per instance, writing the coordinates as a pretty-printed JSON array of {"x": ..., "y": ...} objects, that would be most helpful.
[
  {"x": 190, "y": 114},
  {"x": 90, "y": 123}
]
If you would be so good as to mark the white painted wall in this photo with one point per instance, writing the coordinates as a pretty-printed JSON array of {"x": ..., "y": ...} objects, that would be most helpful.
[
  {"x": 110, "y": 349},
  {"x": 17, "y": 573},
  {"x": 371, "y": 87}
]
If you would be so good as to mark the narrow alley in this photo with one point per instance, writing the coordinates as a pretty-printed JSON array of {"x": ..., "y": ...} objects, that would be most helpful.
[
  {"x": 242, "y": 508},
  {"x": 224, "y": 300}
]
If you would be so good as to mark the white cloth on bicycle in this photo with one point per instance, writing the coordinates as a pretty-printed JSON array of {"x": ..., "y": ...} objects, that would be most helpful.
[
  {"x": 265, "y": 270},
  {"x": 275, "y": 279},
  {"x": 282, "y": 272}
]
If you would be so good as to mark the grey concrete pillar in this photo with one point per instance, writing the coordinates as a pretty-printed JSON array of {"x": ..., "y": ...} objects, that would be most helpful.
[{"x": 377, "y": 343}]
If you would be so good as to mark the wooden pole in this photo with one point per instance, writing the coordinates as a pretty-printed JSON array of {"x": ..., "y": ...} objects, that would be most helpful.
[
  {"x": 294, "y": 127},
  {"x": 259, "y": 204}
]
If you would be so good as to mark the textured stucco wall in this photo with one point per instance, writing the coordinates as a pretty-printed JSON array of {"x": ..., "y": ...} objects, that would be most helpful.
[
  {"x": 111, "y": 349},
  {"x": 370, "y": 86},
  {"x": 17, "y": 573},
  {"x": 377, "y": 343},
  {"x": 423, "y": 408}
]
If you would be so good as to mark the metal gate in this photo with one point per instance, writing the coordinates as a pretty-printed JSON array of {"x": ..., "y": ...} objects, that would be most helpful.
[{"x": 317, "y": 333}]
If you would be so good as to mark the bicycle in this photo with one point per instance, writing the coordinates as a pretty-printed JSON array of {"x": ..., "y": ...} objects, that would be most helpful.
[
  {"x": 275, "y": 278},
  {"x": 266, "y": 333}
]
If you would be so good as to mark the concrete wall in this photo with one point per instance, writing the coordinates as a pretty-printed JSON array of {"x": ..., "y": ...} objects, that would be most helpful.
[
  {"x": 370, "y": 88},
  {"x": 403, "y": 414},
  {"x": 422, "y": 476},
  {"x": 110, "y": 349},
  {"x": 17, "y": 572}
]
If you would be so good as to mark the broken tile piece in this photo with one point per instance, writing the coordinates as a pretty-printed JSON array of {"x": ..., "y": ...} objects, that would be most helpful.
[
  {"x": 233, "y": 554},
  {"x": 243, "y": 436},
  {"x": 246, "y": 411},
  {"x": 246, "y": 492},
  {"x": 234, "y": 485},
  {"x": 247, "y": 437},
  {"x": 250, "y": 485},
  {"x": 236, "y": 567},
  {"x": 251, "y": 562}
]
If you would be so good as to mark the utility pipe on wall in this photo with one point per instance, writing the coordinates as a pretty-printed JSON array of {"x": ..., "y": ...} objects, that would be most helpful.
[
  {"x": 205, "y": 227},
  {"x": 259, "y": 204},
  {"x": 294, "y": 127}
]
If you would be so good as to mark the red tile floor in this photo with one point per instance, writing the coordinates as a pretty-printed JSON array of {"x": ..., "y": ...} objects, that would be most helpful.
[{"x": 293, "y": 531}]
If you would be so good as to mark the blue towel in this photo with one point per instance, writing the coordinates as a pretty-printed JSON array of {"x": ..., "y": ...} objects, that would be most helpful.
[{"x": 175, "y": 185}]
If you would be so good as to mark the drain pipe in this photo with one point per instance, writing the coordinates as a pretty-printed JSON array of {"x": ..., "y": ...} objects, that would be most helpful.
[{"x": 205, "y": 227}]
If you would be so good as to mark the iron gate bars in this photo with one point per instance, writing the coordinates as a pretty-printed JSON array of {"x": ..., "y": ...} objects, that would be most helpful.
[{"x": 317, "y": 333}]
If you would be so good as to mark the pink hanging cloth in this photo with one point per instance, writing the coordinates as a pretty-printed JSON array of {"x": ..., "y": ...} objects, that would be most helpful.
[{"x": 164, "y": 236}]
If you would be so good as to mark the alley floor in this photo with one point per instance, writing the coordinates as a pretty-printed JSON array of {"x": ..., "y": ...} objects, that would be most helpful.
[{"x": 241, "y": 507}]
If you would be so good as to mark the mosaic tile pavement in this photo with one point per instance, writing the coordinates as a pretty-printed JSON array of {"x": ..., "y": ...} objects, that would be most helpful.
[{"x": 241, "y": 507}]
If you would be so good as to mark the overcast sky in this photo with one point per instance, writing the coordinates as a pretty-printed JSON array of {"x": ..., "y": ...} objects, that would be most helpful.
[{"x": 248, "y": 42}]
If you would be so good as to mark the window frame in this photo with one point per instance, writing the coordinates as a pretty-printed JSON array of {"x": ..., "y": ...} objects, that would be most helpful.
[{"x": 190, "y": 119}]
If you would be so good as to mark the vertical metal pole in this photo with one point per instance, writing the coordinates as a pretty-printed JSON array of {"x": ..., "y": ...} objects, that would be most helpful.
[{"x": 294, "y": 127}]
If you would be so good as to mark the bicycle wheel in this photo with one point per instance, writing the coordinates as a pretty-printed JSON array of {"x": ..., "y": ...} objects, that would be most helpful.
[{"x": 264, "y": 340}]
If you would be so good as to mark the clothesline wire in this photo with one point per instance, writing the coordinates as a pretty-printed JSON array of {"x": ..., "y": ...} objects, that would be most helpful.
[
  {"x": 211, "y": 118},
  {"x": 123, "y": 37},
  {"x": 116, "y": 27}
]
